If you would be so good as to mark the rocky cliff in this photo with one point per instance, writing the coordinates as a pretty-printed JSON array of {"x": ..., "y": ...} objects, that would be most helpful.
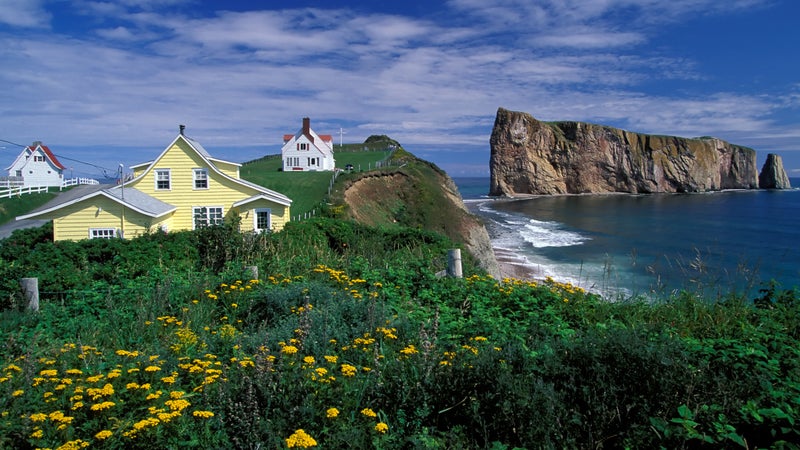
[
  {"x": 773, "y": 175},
  {"x": 417, "y": 194},
  {"x": 533, "y": 157}
]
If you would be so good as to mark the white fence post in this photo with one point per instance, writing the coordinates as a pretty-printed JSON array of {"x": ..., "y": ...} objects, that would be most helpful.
[
  {"x": 30, "y": 289},
  {"x": 454, "y": 263}
]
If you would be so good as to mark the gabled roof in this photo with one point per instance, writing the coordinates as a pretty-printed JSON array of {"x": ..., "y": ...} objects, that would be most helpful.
[
  {"x": 29, "y": 150},
  {"x": 129, "y": 197},
  {"x": 205, "y": 156},
  {"x": 51, "y": 156}
]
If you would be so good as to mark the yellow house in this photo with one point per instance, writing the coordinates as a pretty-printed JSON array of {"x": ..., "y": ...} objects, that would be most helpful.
[{"x": 184, "y": 188}]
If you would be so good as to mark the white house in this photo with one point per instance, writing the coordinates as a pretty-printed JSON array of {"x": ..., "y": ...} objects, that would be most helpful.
[
  {"x": 37, "y": 166},
  {"x": 307, "y": 150}
]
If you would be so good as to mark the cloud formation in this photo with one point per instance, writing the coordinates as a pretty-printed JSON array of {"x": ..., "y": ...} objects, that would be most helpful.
[{"x": 127, "y": 73}]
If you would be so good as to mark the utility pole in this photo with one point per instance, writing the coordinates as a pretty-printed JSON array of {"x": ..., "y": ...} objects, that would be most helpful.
[{"x": 341, "y": 132}]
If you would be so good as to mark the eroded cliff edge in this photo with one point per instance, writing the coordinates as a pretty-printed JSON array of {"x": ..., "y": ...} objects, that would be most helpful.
[
  {"x": 533, "y": 157},
  {"x": 415, "y": 193}
]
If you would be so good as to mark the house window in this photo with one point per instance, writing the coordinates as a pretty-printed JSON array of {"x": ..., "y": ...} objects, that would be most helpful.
[
  {"x": 38, "y": 158},
  {"x": 293, "y": 161},
  {"x": 302, "y": 145},
  {"x": 262, "y": 220},
  {"x": 19, "y": 173},
  {"x": 162, "y": 180},
  {"x": 313, "y": 161},
  {"x": 206, "y": 216},
  {"x": 201, "y": 178},
  {"x": 102, "y": 233}
]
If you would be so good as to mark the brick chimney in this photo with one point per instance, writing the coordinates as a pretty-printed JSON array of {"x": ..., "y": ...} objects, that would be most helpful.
[{"x": 307, "y": 129}]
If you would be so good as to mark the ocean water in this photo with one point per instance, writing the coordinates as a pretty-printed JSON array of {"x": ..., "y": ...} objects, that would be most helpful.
[{"x": 625, "y": 245}]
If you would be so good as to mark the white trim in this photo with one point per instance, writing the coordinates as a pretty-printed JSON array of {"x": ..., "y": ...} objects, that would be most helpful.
[
  {"x": 207, "y": 217},
  {"x": 94, "y": 194},
  {"x": 255, "y": 219},
  {"x": 195, "y": 179},
  {"x": 156, "y": 172},
  {"x": 274, "y": 196},
  {"x": 102, "y": 233}
]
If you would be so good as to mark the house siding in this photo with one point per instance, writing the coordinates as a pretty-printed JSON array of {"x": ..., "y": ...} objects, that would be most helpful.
[
  {"x": 36, "y": 173},
  {"x": 279, "y": 215},
  {"x": 221, "y": 191},
  {"x": 224, "y": 189},
  {"x": 73, "y": 222}
]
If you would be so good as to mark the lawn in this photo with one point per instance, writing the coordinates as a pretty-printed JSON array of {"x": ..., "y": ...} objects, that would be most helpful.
[
  {"x": 306, "y": 189},
  {"x": 15, "y": 206}
]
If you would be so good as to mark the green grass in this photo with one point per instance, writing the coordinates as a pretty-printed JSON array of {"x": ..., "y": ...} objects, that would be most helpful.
[
  {"x": 12, "y": 207},
  {"x": 306, "y": 189}
]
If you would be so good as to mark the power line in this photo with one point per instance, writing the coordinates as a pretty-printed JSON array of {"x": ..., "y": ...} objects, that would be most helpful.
[
  {"x": 13, "y": 143},
  {"x": 104, "y": 169}
]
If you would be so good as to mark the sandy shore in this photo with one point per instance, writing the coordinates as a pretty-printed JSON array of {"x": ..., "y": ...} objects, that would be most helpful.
[{"x": 512, "y": 266}]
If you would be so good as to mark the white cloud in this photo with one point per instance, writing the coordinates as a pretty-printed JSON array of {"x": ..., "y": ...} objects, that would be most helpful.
[
  {"x": 24, "y": 13},
  {"x": 240, "y": 79}
]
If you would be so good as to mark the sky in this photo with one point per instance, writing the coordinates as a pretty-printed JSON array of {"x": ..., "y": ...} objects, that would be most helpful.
[{"x": 107, "y": 83}]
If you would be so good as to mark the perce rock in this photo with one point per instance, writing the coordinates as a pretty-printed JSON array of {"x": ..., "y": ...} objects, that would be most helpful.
[
  {"x": 533, "y": 157},
  {"x": 773, "y": 175}
]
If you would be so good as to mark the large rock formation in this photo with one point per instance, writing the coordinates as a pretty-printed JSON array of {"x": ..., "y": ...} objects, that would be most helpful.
[
  {"x": 533, "y": 157},
  {"x": 773, "y": 175}
]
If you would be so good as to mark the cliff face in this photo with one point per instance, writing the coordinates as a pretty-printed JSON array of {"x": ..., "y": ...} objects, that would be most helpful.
[
  {"x": 419, "y": 196},
  {"x": 773, "y": 175},
  {"x": 533, "y": 157}
]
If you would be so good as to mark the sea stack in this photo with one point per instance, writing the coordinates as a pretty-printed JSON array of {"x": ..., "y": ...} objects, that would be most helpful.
[
  {"x": 533, "y": 157},
  {"x": 773, "y": 175}
]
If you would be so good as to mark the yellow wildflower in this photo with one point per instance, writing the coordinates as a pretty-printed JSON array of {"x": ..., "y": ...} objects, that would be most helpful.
[
  {"x": 102, "y": 406},
  {"x": 348, "y": 370},
  {"x": 381, "y": 427},
  {"x": 368, "y": 412},
  {"x": 105, "y": 434},
  {"x": 289, "y": 349},
  {"x": 332, "y": 413},
  {"x": 203, "y": 414},
  {"x": 300, "y": 439}
]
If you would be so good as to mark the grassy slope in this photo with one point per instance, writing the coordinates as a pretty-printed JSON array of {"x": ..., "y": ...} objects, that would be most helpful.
[
  {"x": 15, "y": 206},
  {"x": 306, "y": 189}
]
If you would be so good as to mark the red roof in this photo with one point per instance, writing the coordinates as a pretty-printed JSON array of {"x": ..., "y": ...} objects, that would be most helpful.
[
  {"x": 326, "y": 137},
  {"x": 49, "y": 155},
  {"x": 287, "y": 137}
]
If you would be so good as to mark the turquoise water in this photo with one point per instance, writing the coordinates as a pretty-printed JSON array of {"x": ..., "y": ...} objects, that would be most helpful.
[{"x": 650, "y": 244}]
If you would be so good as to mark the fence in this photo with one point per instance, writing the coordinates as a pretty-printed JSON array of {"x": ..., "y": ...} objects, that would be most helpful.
[
  {"x": 385, "y": 162},
  {"x": 13, "y": 186},
  {"x": 11, "y": 182},
  {"x": 18, "y": 191},
  {"x": 77, "y": 181}
]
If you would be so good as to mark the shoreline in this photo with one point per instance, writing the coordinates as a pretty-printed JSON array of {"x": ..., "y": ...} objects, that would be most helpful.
[{"x": 513, "y": 266}]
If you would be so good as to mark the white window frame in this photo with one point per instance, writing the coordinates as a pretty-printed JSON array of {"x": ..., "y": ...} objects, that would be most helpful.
[
  {"x": 196, "y": 178},
  {"x": 159, "y": 172},
  {"x": 255, "y": 220},
  {"x": 302, "y": 146},
  {"x": 206, "y": 212},
  {"x": 102, "y": 233}
]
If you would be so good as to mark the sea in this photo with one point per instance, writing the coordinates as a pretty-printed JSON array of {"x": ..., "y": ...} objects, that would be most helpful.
[{"x": 654, "y": 245}]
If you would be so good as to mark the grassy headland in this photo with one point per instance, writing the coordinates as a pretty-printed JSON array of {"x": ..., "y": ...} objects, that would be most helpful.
[{"x": 347, "y": 339}]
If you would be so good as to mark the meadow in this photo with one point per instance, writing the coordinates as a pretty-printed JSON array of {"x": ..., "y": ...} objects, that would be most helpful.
[{"x": 348, "y": 339}]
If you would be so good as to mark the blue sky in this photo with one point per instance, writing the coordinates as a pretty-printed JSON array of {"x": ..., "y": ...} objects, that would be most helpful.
[{"x": 108, "y": 82}]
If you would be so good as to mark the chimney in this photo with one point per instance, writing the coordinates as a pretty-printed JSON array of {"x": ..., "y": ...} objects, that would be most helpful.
[
  {"x": 307, "y": 129},
  {"x": 36, "y": 144},
  {"x": 182, "y": 127}
]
